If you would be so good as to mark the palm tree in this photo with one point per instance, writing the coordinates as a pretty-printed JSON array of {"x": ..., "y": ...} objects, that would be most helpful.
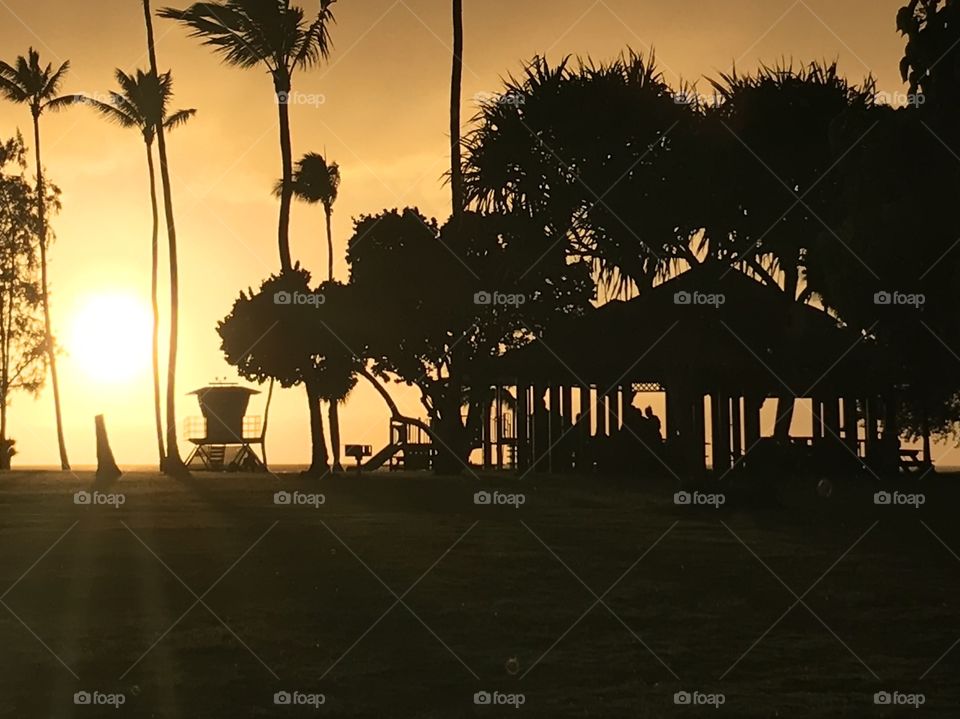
[
  {"x": 456, "y": 82},
  {"x": 142, "y": 104},
  {"x": 248, "y": 33},
  {"x": 174, "y": 465},
  {"x": 27, "y": 82},
  {"x": 316, "y": 181}
]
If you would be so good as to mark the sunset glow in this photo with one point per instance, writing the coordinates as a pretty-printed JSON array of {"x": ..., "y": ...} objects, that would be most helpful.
[{"x": 110, "y": 338}]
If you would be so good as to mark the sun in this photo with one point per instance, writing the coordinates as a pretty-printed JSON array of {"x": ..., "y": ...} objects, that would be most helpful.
[{"x": 110, "y": 337}]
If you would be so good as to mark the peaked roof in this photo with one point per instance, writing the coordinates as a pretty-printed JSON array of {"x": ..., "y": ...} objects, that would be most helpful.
[{"x": 711, "y": 325}]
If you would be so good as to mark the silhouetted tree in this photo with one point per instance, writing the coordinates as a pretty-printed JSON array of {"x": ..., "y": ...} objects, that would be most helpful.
[
  {"x": 276, "y": 333},
  {"x": 28, "y": 82},
  {"x": 480, "y": 291},
  {"x": 174, "y": 465},
  {"x": 770, "y": 188},
  {"x": 600, "y": 156},
  {"x": 142, "y": 104},
  {"x": 315, "y": 181},
  {"x": 931, "y": 61},
  {"x": 23, "y": 354},
  {"x": 275, "y": 34}
]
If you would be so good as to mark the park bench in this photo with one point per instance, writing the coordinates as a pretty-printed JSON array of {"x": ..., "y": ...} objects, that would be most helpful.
[{"x": 358, "y": 452}]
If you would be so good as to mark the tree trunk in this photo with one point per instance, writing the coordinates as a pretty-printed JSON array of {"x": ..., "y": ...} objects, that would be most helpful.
[
  {"x": 319, "y": 460},
  {"x": 456, "y": 82},
  {"x": 155, "y": 306},
  {"x": 174, "y": 465},
  {"x": 335, "y": 436},
  {"x": 286, "y": 190},
  {"x": 48, "y": 324},
  {"x": 107, "y": 469},
  {"x": 266, "y": 420},
  {"x": 334, "y": 411}
]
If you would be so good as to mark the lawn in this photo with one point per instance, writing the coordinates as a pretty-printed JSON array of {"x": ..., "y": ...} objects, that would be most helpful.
[{"x": 398, "y": 596}]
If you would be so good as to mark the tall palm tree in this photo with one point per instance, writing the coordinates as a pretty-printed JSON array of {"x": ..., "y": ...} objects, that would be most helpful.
[
  {"x": 29, "y": 83},
  {"x": 273, "y": 33},
  {"x": 174, "y": 465},
  {"x": 316, "y": 181},
  {"x": 142, "y": 104},
  {"x": 456, "y": 83}
]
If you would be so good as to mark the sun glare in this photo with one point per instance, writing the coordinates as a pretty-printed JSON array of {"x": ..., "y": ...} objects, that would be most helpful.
[{"x": 110, "y": 338}]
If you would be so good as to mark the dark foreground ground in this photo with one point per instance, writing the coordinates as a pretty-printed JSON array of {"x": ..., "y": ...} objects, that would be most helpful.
[{"x": 399, "y": 597}]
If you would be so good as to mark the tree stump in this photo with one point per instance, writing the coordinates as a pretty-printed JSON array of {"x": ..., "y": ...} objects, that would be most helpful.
[{"x": 107, "y": 469}]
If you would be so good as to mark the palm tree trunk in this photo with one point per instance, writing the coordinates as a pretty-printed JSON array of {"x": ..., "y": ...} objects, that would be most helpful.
[
  {"x": 286, "y": 189},
  {"x": 155, "y": 305},
  {"x": 319, "y": 460},
  {"x": 328, "y": 211},
  {"x": 334, "y": 411},
  {"x": 174, "y": 464},
  {"x": 456, "y": 83},
  {"x": 48, "y": 325}
]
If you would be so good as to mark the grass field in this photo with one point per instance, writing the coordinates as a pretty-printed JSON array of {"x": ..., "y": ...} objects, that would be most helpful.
[{"x": 398, "y": 596}]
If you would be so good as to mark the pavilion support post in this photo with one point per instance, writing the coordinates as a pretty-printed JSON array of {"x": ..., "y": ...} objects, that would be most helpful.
[
  {"x": 736, "y": 422},
  {"x": 568, "y": 442},
  {"x": 816, "y": 410},
  {"x": 522, "y": 429},
  {"x": 873, "y": 432},
  {"x": 603, "y": 421},
  {"x": 616, "y": 416},
  {"x": 583, "y": 431},
  {"x": 851, "y": 430},
  {"x": 698, "y": 438},
  {"x": 720, "y": 416},
  {"x": 831, "y": 420},
  {"x": 540, "y": 434},
  {"x": 751, "y": 420},
  {"x": 485, "y": 436},
  {"x": 556, "y": 430},
  {"x": 498, "y": 421}
]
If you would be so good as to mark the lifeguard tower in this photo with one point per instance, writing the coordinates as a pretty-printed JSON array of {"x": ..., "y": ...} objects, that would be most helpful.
[{"x": 225, "y": 437}]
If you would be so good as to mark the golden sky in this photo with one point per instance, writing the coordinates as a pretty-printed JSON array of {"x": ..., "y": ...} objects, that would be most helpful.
[{"x": 380, "y": 110}]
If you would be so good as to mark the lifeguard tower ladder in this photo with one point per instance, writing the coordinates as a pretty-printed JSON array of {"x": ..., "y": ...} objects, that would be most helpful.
[{"x": 224, "y": 437}]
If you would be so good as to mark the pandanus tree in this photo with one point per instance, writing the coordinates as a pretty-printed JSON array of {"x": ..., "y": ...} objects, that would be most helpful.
[
  {"x": 142, "y": 104},
  {"x": 770, "y": 192},
  {"x": 28, "y": 82},
  {"x": 609, "y": 183},
  {"x": 274, "y": 34},
  {"x": 317, "y": 181}
]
